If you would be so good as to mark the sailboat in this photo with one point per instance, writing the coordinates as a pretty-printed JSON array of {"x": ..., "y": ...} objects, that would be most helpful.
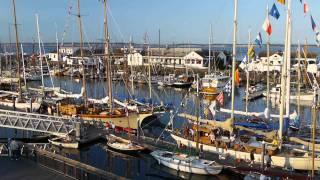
[
  {"x": 211, "y": 83},
  {"x": 242, "y": 148},
  {"x": 121, "y": 117},
  {"x": 185, "y": 163},
  {"x": 18, "y": 100},
  {"x": 123, "y": 145}
]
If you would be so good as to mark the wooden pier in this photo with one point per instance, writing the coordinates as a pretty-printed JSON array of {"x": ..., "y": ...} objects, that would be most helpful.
[{"x": 71, "y": 168}]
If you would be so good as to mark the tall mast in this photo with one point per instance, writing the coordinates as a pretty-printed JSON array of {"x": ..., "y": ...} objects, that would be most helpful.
[
  {"x": 40, "y": 53},
  {"x": 84, "y": 84},
  {"x": 24, "y": 68},
  {"x": 268, "y": 70},
  {"x": 17, "y": 46},
  {"x": 314, "y": 127},
  {"x": 287, "y": 54},
  {"x": 131, "y": 67},
  {"x": 234, "y": 49},
  {"x": 209, "y": 66},
  {"x": 248, "y": 73},
  {"x": 149, "y": 69},
  {"x": 107, "y": 54},
  {"x": 159, "y": 45},
  {"x": 299, "y": 76},
  {"x": 58, "y": 54}
]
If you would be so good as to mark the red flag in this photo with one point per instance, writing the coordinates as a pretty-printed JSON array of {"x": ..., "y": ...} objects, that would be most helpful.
[
  {"x": 267, "y": 26},
  {"x": 237, "y": 79},
  {"x": 220, "y": 98},
  {"x": 305, "y": 8}
]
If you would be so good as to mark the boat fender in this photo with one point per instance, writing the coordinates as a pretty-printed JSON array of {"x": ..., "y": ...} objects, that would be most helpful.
[{"x": 159, "y": 161}]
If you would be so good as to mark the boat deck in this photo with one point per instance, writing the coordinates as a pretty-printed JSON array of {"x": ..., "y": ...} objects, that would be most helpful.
[{"x": 253, "y": 96}]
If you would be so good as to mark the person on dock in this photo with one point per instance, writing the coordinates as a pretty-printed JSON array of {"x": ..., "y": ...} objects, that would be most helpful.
[
  {"x": 232, "y": 140},
  {"x": 191, "y": 133},
  {"x": 268, "y": 161},
  {"x": 212, "y": 137},
  {"x": 251, "y": 158}
]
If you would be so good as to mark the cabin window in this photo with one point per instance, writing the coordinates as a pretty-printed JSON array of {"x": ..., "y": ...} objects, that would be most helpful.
[
  {"x": 198, "y": 61},
  {"x": 192, "y": 61}
]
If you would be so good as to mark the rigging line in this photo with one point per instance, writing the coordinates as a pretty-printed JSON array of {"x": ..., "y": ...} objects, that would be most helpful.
[
  {"x": 86, "y": 38},
  {"x": 171, "y": 117},
  {"x": 45, "y": 57},
  {"x": 66, "y": 25},
  {"x": 115, "y": 22}
]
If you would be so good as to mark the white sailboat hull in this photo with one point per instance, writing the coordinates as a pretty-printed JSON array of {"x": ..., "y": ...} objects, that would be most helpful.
[
  {"x": 297, "y": 163},
  {"x": 303, "y": 96},
  {"x": 21, "y": 106},
  {"x": 189, "y": 167}
]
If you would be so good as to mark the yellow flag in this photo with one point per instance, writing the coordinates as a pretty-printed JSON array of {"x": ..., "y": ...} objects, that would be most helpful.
[
  {"x": 251, "y": 52},
  {"x": 282, "y": 2}
]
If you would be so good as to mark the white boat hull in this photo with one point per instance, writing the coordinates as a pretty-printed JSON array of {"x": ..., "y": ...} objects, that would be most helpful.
[
  {"x": 21, "y": 106},
  {"x": 303, "y": 97},
  {"x": 187, "y": 167}
]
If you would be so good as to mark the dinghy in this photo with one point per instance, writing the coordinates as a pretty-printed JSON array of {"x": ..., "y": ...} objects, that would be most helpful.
[
  {"x": 62, "y": 142},
  {"x": 123, "y": 145},
  {"x": 185, "y": 163}
]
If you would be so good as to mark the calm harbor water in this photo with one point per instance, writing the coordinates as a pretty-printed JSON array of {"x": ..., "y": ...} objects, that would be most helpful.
[{"x": 144, "y": 167}]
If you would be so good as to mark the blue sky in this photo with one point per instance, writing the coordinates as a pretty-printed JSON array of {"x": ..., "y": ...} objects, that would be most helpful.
[{"x": 180, "y": 21}]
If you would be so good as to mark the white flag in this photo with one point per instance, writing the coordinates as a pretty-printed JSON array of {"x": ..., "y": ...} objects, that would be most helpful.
[{"x": 212, "y": 108}]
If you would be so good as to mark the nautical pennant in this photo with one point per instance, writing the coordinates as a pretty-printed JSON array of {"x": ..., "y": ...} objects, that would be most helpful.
[
  {"x": 237, "y": 77},
  {"x": 220, "y": 98},
  {"x": 274, "y": 11},
  {"x": 251, "y": 53},
  {"x": 305, "y": 8},
  {"x": 267, "y": 26},
  {"x": 318, "y": 38},
  {"x": 282, "y": 2},
  {"x": 259, "y": 40},
  {"x": 313, "y": 24},
  {"x": 227, "y": 88}
]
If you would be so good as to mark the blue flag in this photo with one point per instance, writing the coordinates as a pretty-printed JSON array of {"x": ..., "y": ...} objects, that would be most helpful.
[
  {"x": 259, "y": 40},
  {"x": 313, "y": 24},
  {"x": 274, "y": 12}
]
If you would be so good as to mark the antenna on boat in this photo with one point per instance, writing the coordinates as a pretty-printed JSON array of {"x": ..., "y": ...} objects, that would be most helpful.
[
  {"x": 84, "y": 84},
  {"x": 17, "y": 47}
]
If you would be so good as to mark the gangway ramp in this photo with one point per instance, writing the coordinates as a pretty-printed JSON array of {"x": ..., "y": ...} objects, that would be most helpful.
[{"x": 58, "y": 126}]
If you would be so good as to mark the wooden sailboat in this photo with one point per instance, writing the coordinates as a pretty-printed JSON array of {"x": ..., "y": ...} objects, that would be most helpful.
[
  {"x": 185, "y": 163},
  {"x": 18, "y": 100},
  {"x": 121, "y": 117},
  {"x": 241, "y": 149},
  {"x": 123, "y": 145}
]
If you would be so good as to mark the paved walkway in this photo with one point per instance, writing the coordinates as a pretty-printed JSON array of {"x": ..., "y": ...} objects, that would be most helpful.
[{"x": 26, "y": 170}]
